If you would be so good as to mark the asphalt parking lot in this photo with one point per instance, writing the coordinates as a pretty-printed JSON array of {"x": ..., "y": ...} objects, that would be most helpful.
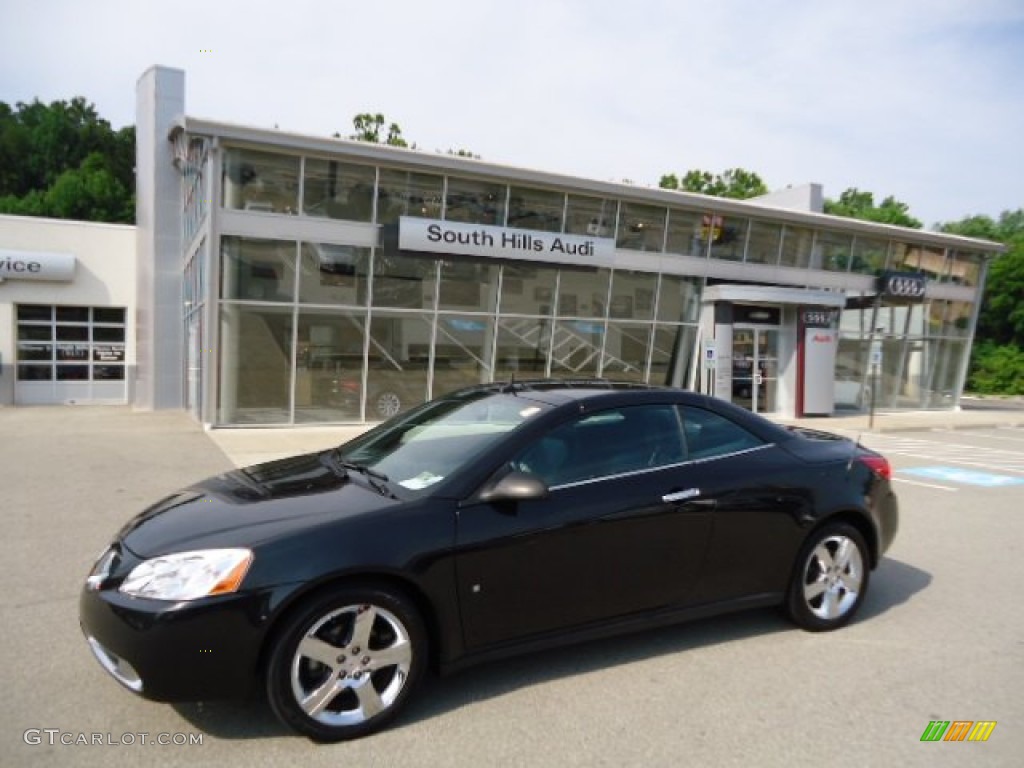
[{"x": 940, "y": 637}]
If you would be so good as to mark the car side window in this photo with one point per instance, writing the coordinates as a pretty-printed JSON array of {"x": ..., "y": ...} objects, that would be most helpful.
[
  {"x": 709, "y": 434},
  {"x": 610, "y": 442}
]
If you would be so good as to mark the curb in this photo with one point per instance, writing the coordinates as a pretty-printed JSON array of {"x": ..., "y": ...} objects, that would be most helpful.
[{"x": 928, "y": 423}]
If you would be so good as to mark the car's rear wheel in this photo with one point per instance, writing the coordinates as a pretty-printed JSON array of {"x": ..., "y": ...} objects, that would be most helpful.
[
  {"x": 346, "y": 663},
  {"x": 387, "y": 404},
  {"x": 830, "y": 578}
]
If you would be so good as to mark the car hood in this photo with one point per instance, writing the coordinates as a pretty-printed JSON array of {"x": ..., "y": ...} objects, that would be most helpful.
[{"x": 247, "y": 506}]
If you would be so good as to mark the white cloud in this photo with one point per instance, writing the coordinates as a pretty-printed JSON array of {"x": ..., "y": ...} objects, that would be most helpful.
[{"x": 919, "y": 100}]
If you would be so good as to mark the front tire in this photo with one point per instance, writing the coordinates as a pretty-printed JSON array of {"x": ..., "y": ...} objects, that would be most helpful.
[
  {"x": 830, "y": 578},
  {"x": 387, "y": 404},
  {"x": 346, "y": 663}
]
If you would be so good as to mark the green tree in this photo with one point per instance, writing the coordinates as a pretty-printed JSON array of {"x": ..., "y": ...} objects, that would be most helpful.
[
  {"x": 40, "y": 143},
  {"x": 997, "y": 358},
  {"x": 368, "y": 128},
  {"x": 736, "y": 183},
  {"x": 90, "y": 192},
  {"x": 32, "y": 204},
  {"x": 996, "y": 369},
  {"x": 1001, "y": 319},
  {"x": 855, "y": 204}
]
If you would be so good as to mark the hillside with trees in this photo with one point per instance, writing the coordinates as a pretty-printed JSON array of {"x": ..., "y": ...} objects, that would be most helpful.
[{"x": 64, "y": 161}]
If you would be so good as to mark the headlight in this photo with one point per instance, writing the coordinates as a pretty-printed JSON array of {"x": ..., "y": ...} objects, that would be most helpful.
[
  {"x": 101, "y": 570},
  {"x": 189, "y": 575}
]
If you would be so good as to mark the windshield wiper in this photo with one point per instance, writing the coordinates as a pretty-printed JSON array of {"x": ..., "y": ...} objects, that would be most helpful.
[{"x": 377, "y": 480}]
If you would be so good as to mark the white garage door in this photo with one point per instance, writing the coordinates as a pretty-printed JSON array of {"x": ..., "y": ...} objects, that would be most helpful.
[{"x": 70, "y": 354}]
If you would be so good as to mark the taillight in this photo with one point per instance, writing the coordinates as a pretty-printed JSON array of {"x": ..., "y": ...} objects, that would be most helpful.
[{"x": 877, "y": 464}]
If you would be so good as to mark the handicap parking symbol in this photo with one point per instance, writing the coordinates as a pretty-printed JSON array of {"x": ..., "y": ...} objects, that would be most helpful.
[{"x": 965, "y": 476}]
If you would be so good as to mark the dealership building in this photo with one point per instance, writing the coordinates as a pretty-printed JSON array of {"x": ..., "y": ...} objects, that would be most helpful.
[{"x": 281, "y": 279}]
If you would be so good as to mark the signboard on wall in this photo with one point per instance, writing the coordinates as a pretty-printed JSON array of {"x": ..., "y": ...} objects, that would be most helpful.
[
  {"x": 33, "y": 265},
  {"x": 818, "y": 318},
  {"x": 818, "y": 345},
  {"x": 756, "y": 314},
  {"x": 433, "y": 236},
  {"x": 906, "y": 286},
  {"x": 709, "y": 354},
  {"x": 108, "y": 353}
]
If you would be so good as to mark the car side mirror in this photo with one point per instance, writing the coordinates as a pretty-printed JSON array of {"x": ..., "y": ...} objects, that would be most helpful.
[{"x": 515, "y": 486}]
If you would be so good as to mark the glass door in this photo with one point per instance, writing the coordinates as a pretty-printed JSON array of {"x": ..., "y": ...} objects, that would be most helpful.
[{"x": 755, "y": 368}]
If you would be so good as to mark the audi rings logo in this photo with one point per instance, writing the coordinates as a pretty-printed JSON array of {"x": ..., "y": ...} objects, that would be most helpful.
[{"x": 902, "y": 285}]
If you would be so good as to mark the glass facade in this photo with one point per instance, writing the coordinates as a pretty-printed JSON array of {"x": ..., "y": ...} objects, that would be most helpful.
[
  {"x": 408, "y": 193},
  {"x": 338, "y": 190},
  {"x": 686, "y": 234},
  {"x": 594, "y": 216},
  {"x": 797, "y": 245},
  {"x": 641, "y": 227},
  {"x": 763, "y": 241},
  {"x": 832, "y": 251},
  {"x": 922, "y": 346},
  {"x": 475, "y": 201},
  {"x": 537, "y": 209},
  {"x": 333, "y": 329},
  {"x": 381, "y": 333},
  {"x": 260, "y": 181},
  {"x": 729, "y": 237}
]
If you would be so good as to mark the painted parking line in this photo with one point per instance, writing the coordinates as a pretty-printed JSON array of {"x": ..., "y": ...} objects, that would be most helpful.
[
  {"x": 1007, "y": 434},
  {"x": 964, "y": 476},
  {"x": 925, "y": 485},
  {"x": 984, "y": 459}
]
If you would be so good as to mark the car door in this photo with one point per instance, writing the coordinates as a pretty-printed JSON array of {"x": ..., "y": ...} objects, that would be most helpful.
[
  {"x": 620, "y": 532},
  {"x": 761, "y": 506}
]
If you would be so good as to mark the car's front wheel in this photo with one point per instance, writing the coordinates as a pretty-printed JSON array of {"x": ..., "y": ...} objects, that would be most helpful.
[
  {"x": 345, "y": 664},
  {"x": 830, "y": 578},
  {"x": 387, "y": 403}
]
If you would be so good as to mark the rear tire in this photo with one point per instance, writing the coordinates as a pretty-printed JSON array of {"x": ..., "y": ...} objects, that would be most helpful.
[
  {"x": 345, "y": 664},
  {"x": 830, "y": 578}
]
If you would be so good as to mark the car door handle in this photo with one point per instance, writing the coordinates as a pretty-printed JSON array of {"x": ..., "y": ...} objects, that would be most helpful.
[
  {"x": 691, "y": 496},
  {"x": 689, "y": 493},
  {"x": 704, "y": 503}
]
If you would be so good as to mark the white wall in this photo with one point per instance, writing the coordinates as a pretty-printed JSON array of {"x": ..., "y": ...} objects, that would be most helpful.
[
  {"x": 104, "y": 277},
  {"x": 804, "y": 197}
]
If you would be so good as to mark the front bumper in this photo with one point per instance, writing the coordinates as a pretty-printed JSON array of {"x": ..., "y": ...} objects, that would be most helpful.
[{"x": 177, "y": 651}]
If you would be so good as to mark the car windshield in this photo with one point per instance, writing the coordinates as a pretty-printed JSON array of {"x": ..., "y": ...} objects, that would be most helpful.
[{"x": 427, "y": 445}]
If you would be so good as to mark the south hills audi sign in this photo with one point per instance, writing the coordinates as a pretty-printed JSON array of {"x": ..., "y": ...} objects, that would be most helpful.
[
  {"x": 905, "y": 286},
  {"x": 499, "y": 242}
]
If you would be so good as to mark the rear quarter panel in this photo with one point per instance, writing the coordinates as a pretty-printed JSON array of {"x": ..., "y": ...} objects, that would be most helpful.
[{"x": 766, "y": 503}]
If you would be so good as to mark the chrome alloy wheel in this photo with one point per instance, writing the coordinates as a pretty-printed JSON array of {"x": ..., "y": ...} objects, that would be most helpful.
[
  {"x": 351, "y": 665},
  {"x": 832, "y": 577},
  {"x": 388, "y": 404}
]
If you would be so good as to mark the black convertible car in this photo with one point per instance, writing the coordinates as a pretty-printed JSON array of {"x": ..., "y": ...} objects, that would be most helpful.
[{"x": 494, "y": 520}]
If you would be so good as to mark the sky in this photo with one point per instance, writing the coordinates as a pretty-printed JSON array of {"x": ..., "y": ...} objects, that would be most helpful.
[{"x": 922, "y": 100}]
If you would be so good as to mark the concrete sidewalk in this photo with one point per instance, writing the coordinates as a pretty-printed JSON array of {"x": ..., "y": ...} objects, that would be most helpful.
[{"x": 252, "y": 445}]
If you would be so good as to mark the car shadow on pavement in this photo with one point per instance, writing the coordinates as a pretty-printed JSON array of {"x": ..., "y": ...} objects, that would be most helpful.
[
  {"x": 893, "y": 584},
  {"x": 233, "y": 719},
  {"x": 252, "y": 718}
]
